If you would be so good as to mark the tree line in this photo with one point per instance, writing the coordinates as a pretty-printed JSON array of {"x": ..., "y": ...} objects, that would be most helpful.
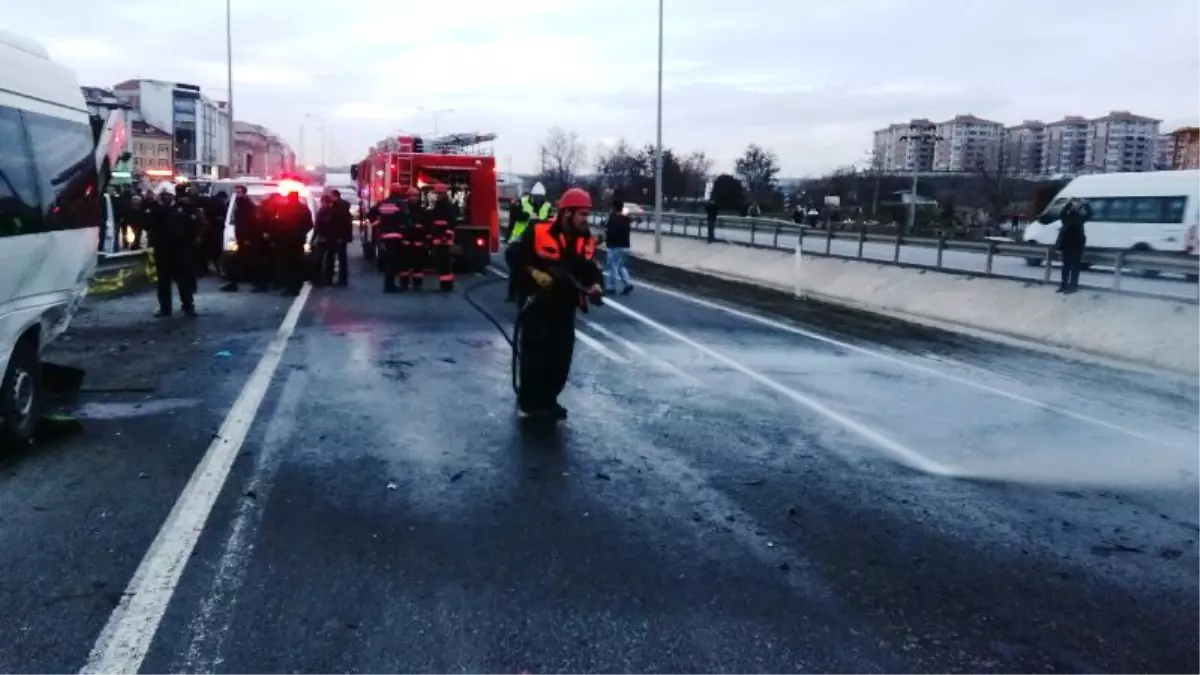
[
  {"x": 628, "y": 172},
  {"x": 625, "y": 171}
]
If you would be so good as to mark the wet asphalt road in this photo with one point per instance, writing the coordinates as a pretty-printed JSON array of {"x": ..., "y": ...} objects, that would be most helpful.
[{"x": 726, "y": 496}]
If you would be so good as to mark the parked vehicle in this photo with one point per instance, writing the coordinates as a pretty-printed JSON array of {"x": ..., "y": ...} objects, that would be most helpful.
[
  {"x": 1140, "y": 212},
  {"x": 50, "y": 215}
]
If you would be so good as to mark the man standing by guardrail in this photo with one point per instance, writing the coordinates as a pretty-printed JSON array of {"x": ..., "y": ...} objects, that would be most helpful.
[
  {"x": 616, "y": 240},
  {"x": 1072, "y": 238}
]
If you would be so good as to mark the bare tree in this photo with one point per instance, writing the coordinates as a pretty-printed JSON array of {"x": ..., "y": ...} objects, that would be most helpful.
[
  {"x": 562, "y": 155},
  {"x": 697, "y": 166}
]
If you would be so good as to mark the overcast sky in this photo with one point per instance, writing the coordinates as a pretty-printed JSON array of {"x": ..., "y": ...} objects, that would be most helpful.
[{"x": 809, "y": 79}]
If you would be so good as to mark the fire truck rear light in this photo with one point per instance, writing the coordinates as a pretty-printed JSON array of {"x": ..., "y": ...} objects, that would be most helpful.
[{"x": 480, "y": 242}]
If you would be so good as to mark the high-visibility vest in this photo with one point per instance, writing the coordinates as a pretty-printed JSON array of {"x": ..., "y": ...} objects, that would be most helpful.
[
  {"x": 529, "y": 213},
  {"x": 549, "y": 245}
]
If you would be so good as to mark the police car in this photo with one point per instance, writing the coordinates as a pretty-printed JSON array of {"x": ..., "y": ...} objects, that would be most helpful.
[{"x": 258, "y": 191}]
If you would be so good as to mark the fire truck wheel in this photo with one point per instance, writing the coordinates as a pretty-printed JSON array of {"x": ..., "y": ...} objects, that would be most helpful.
[{"x": 446, "y": 286}]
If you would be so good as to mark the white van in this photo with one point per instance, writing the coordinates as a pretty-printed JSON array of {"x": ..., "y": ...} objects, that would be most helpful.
[
  {"x": 1146, "y": 211},
  {"x": 50, "y": 214}
]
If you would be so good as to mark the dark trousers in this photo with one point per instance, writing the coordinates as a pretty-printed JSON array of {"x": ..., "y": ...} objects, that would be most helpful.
[
  {"x": 393, "y": 258},
  {"x": 174, "y": 266},
  {"x": 250, "y": 264},
  {"x": 414, "y": 259},
  {"x": 334, "y": 252},
  {"x": 1072, "y": 263},
  {"x": 712, "y": 230},
  {"x": 547, "y": 346},
  {"x": 289, "y": 262},
  {"x": 442, "y": 255}
]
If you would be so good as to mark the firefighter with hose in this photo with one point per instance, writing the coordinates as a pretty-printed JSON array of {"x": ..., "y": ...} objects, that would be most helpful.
[
  {"x": 553, "y": 266},
  {"x": 534, "y": 207}
]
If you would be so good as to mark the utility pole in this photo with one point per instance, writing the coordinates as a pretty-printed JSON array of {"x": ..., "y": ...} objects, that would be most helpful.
[
  {"x": 916, "y": 139},
  {"x": 229, "y": 75},
  {"x": 658, "y": 153}
]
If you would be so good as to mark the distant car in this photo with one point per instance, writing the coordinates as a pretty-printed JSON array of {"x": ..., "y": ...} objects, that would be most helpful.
[
  {"x": 634, "y": 211},
  {"x": 258, "y": 191}
]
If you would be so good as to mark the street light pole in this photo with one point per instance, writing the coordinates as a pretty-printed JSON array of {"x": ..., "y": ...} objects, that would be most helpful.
[
  {"x": 658, "y": 152},
  {"x": 229, "y": 75}
]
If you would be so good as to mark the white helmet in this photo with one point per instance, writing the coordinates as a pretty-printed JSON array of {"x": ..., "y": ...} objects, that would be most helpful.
[
  {"x": 538, "y": 190},
  {"x": 165, "y": 186}
]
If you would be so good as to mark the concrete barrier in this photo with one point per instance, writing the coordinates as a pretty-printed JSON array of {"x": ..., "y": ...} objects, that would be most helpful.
[{"x": 1158, "y": 333}]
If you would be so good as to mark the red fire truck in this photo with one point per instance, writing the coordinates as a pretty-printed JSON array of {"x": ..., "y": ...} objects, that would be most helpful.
[{"x": 462, "y": 162}]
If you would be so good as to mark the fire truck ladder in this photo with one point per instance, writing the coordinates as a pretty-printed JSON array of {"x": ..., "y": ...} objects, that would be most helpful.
[{"x": 404, "y": 162}]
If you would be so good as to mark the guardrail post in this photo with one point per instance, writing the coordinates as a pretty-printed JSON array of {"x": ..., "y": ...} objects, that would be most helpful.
[
  {"x": 1117, "y": 271},
  {"x": 751, "y": 232},
  {"x": 896, "y": 252},
  {"x": 941, "y": 247},
  {"x": 799, "y": 254},
  {"x": 828, "y": 239},
  {"x": 775, "y": 242},
  {"x": 991, "y": 252},
  {"x": 862, "y": 239},
  {"x": 1048, "y": 265}
]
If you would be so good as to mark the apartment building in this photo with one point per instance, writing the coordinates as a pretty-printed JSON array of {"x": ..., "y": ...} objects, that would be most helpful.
[
  {"x": 968, "y": 143},
  {"x": 1022, "y": 153},
  {"x": 898, "y": 148},
  {"x": 1164, "y": 152},
  {"x": 1064, "y": 146},
  {"x": 153, "y": 149},
  {"x": 1185, "y": 148},
  {"x": 1121, "y": 141}
]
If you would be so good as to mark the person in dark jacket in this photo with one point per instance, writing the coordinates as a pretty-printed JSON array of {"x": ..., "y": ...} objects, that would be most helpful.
[
  {"x": 294, "y": 221},
  {"x": 335, "y": 228},
  {"x": 395, "y": 225},
  {"x": 250, "y": 262},
  {"x": 173, "y": 229},
  {"x": 442, "y": 218},
  {"x": 554, "y": 267},
  {"x": 616, "y": 241},
  {"x": 1072, "y": 238}
]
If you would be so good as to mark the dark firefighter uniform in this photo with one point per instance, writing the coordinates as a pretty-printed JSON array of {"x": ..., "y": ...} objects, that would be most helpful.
[
  {"x": 554, "y": 267},
  {"x": 173, "y": 230},
  {"x": 442, "y": 217},
  {"x": 294, "y": 221},
  {"x": 394, "y": 218},
  {"x": 417, "y": 243}
]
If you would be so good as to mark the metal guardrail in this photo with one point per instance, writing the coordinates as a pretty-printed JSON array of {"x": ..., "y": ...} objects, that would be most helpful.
[
  {"x": 115, "y": 261},
  {"x": 772, "y": 233}
]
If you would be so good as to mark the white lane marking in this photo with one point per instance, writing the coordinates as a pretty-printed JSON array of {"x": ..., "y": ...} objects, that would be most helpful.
[
  {"x": 208, "y": 629},
  {"x": 665, "y": 365},
  {"x": 599, "y": 347},
  {"x": 580, "y": 335},
  {"x": 1012, "y": 396},
  {"x": 900, "y": 451},
  {"x": 125, "y": 639}
]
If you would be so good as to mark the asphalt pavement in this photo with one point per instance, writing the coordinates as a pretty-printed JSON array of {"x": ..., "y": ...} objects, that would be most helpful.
[
  {"x": 745, "y": 483},
  {"x": 1167, "y": 285}
]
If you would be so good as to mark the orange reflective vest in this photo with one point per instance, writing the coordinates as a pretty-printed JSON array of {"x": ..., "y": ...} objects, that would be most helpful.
[{"x": 549, "y": 246}]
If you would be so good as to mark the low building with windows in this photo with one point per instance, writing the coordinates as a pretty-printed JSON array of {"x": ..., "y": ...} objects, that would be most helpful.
[{"x": 153, "y": 150}]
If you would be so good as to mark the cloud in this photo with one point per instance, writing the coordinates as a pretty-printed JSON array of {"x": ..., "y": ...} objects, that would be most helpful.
[
  {"x": 80, "y": 49},
  {"x": 809, "y": 80}
]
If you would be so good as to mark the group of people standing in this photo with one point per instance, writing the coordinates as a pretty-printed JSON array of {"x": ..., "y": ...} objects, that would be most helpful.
[{"x": 186, "y": 235}]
